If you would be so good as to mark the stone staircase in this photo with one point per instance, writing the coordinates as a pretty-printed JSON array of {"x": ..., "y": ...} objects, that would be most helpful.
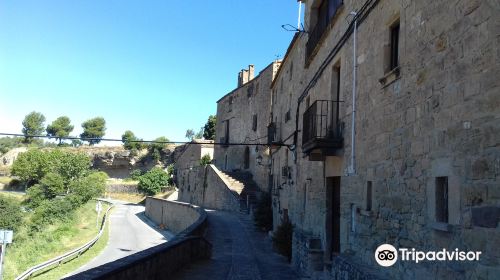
[{"x": 242, "y": 184}]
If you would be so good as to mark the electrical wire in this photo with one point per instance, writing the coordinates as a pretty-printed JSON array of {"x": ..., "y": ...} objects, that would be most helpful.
[{"x": 139, "y": 141}]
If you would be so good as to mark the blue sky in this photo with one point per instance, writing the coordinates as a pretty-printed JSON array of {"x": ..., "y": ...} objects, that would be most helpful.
[{"x": 154, "y": 67}]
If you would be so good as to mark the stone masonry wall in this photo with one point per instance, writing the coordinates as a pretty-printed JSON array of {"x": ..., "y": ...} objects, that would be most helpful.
[
  {"x": 440, "y": 117},
  {"x": 204, "y": 187},
  {"x": 238, "y": 109}
]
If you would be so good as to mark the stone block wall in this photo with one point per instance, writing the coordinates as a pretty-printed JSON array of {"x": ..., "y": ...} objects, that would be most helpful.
[
  {"x": 439, "y": 117},
  {"x": 239, "y": 109},
  {"x": 205, "y": 186}
]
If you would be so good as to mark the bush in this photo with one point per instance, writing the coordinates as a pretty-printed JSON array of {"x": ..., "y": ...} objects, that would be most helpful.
[
  {"x": 282, "y": 239},
  {"x": 135, "y": 174},
  {"x": 11, "y": 215},
  {"x": 86, "y": 188},
  {"x": 263, "y": 214},
  {"x": 153, "y": 181},
  {"x": 205, "y": 160},
  {"x": 50, "y": 211},
  {"x": 34, "y": 164}
]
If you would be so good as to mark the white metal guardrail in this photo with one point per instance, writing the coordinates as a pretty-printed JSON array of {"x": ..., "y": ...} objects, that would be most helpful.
[{"x": 60, "y": 259}]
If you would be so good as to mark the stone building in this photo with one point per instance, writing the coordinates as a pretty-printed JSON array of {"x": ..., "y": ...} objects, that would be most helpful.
[
  {"x": 242, "y": 118},
  {"x": 415, "y": 163},
  {"x": 188, "y": 161}
]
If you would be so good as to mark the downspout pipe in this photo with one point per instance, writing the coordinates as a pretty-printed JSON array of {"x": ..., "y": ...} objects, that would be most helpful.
[{"x": 352, "y": 166}]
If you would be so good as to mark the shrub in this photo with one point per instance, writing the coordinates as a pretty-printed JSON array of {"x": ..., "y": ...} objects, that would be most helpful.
[
  {"x": 35, "y": 196},
  {"x": 205, "y": 160},
  {"x": 153, "y": 181},
  {"x": 86, "y": 188},
  {"x": 11, "y": 215},
  {"x": 263, "y": 214},
  {"x": 282, "y": 239},
  {"x": 34, "y": 164},
  {"x": 135, "y": 174},
  {"x": 50, "y": 211}
]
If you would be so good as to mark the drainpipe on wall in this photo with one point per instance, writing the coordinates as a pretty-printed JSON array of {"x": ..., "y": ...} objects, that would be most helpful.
[{"x": 352, "y": 167}]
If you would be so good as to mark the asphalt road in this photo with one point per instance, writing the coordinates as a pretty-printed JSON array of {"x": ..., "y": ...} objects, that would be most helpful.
[{"x": 130, "y": 232}]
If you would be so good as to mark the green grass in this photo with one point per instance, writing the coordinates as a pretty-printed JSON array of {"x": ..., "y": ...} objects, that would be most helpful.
[
  {"x": 31, "y": 248},
  {"x": 5, "y": 180},
  {"x": 137, "y": 197},
  {"x": 75, "y": 263},
  {"x": 18, "y": 196}
]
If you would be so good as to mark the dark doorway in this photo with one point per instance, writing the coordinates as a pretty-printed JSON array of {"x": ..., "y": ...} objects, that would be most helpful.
[
  {"x": 247, "y": 158},
  {"x": 332, "y": 224}
]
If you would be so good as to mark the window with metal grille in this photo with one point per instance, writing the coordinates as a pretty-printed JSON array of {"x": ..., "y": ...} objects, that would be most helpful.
[
  {"x": 394, "y": 54},
  {"x": 442, "y": 199}
]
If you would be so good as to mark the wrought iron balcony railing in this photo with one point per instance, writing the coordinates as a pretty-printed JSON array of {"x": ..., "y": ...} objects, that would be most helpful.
[{"x": 322, "y": 128}]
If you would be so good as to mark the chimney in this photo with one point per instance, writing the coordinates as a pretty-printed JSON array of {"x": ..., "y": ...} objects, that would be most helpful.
[
  {"x": 246, "y": 75},
  {"x": 251, "y": 72}
]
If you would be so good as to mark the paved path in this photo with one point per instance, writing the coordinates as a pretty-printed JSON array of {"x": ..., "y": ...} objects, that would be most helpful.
[
  {"x": 239, "y": 252},
  {"x": 130, "y": 232}
]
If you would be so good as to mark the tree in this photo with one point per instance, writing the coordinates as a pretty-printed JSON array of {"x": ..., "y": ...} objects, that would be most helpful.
[
  {"x": 156, "y": 148},
  {"x": 60, "y": 128},
  {"x": 153, "y": 181},
  {"x": 128, "y": 139},
  {"x": 35, "y": 164},
  {"x": 199, "y": 134},
  {"x": 190, "y": 134},
  {"x": 11, "y": 217},
  {"x": 31, "y": 166},
  {"x": 209, "y": 128},
  {"x": 70, "y": 166},
  {"x": 94, "y": 128},
  {"x": 86, "y": 188},
  {"x": 33, "y": 124},
  {"x": 76, "y": 143}
]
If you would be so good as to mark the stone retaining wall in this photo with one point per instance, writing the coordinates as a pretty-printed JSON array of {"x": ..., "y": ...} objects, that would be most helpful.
[
  {"x": 187, "y": 221},
  {"x": 203, "y": 185}
]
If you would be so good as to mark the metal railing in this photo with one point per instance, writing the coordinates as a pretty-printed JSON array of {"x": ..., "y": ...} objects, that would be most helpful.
[
  {"x": 324, "y": 15},
  {"x": 321, "y": 121},
  {"x": 60, "y": 259}
]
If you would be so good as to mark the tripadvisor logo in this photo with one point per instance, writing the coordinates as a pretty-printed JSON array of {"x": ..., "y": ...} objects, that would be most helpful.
[{"x": 387, "y": 255}]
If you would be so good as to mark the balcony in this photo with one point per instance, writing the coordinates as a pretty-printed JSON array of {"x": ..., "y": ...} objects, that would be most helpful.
[
  {"x": 322, "y": 129},
  {"x": 273, "y": 136},
  {"x": 324, "y": 15}
]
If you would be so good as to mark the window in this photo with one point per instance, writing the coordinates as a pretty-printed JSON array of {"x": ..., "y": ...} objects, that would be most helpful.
[
  {"x": 230, "y": 106},
  {"x": 321, "y": 15},
  {"x": 287, "y": 116},
  {"x": 226, "y": 138},
  {"x": 394, "y": 47},
  {"x": 369, "y": 197},
  {"x": 442, "y": 199},
  {"x": 254, "y": 122},
  {"x": 291, "y": 71}
]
